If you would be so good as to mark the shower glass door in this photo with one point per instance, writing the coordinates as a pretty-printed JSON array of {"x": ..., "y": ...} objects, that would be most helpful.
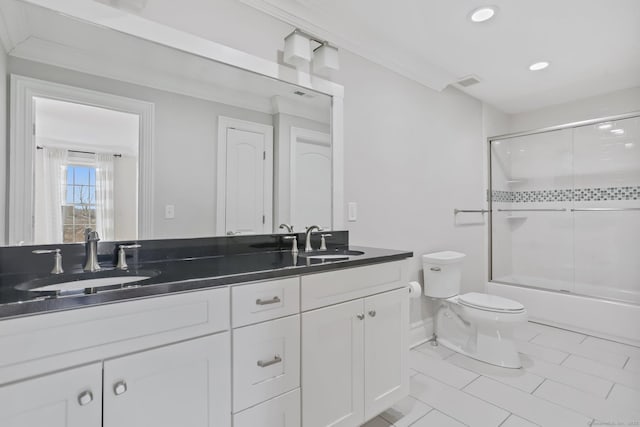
[
  {"x": 566, "y": 210},
  {"x": 532, "y": 229}
]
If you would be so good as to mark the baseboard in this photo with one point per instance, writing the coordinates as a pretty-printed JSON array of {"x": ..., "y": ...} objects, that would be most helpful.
[{"x": 420, "y": 332}]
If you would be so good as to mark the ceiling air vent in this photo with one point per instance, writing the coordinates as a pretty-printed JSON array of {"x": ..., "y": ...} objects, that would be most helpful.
[{"x": 468, "y": 81}]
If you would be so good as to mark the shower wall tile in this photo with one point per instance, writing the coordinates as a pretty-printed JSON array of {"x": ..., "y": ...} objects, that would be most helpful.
[{"x": 594, "y": 194}]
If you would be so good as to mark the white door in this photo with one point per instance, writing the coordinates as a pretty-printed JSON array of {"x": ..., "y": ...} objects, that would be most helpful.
[
  {"x": 245, "y": 177},
  {"x": 186, "y": 384},
  {"x": 386, "y": 350},
  {"x": 70, "y": 398},
  {"x": 310, "y": 179},
  {"x": 332, "y": 366}
]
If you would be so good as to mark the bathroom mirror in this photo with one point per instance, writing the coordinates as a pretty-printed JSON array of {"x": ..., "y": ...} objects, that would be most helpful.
[{"x": 143, "y": 139}]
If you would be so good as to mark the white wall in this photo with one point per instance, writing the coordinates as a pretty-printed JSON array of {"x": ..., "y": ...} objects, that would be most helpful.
[
  {"x": 185, "y": 138},
  {"x": 610, "y": 104}
]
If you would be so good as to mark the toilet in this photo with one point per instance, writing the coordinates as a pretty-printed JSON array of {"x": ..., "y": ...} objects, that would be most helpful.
[{"x": 474, "y": 324}]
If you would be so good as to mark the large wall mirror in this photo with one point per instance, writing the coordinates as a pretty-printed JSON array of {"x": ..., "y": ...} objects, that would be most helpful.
[{"x": 139, "y": 140}]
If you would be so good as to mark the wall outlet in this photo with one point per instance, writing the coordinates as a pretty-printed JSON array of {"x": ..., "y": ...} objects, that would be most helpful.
[
  {"x": 352, "y": 208},
  {"x": 169, "y": 212}
]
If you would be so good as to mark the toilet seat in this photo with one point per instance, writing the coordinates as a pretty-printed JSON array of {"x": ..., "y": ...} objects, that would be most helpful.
[{"x": 492, "y": 303}]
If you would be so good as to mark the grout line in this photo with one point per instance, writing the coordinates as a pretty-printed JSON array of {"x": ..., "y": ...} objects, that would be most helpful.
[
  {"x": 584, "y": 339},
  {"x": 538, "y": 386},
  {"x": 565, "y": 359},
  {"x": 534, "y": 337},
  {"x": 505, "y": 420},
  {"x": 626, "y": 362},
  {"x": 415, "y": 422},
  {"x": 610, "y": 390},
  {"x": 469, "y": 383}
]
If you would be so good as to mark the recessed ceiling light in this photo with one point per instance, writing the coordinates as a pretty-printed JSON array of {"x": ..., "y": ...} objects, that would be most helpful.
[
  {"x": 537, "y": 66},
  {"x": 604, "y": 126},
  {"x": 483, "y": 13},
  {"x": 617, "y": 131}
]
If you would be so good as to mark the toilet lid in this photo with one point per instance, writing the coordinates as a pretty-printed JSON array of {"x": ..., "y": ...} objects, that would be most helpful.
[{"x": 490, "y": 302}]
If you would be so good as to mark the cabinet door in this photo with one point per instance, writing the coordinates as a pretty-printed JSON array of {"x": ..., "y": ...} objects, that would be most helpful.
[
  {"x": 386, "y": 350},
  {"x": 70, "y": 398},
  {"x": 186, "y": 384},
  {"x": 332, "y": 368}
]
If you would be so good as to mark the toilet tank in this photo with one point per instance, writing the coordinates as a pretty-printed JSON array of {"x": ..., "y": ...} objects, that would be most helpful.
[{"x": 442, "y": 273}]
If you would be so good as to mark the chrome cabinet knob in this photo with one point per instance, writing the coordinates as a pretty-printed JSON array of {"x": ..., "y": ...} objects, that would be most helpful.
[
  {"x": 85, "y": 398},
  {"x": 372, "y": 313},
  {"x": 119, "y": 388},
  {"x": 360, "y": 316}
]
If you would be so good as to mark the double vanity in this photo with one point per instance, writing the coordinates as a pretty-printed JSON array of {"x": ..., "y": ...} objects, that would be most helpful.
[{"x": 221, "y": 331}]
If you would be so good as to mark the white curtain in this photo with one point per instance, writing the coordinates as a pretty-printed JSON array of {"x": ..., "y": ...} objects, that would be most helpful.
[
  {"x": 105, "y": 212},
  {"x": 50, "y": 181}
]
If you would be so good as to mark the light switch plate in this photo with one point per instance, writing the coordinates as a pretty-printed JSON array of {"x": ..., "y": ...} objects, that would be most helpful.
[
  {"x": 353, "y": 211},
  {"x": 169, "y": 212}
]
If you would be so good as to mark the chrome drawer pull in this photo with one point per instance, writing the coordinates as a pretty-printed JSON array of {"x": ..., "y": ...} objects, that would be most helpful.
[
  {"x": 276, "y": 359},
  {"x": 273, "y": 300}
]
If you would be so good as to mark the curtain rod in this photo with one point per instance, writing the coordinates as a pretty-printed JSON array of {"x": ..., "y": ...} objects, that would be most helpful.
[{"x": 39, "y": 147}]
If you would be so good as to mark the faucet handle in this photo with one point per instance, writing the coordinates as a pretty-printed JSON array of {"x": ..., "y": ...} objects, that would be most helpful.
[
  {"x": 122, "y": 256},
  {"x": 57, "y": 259},
  {"x": 323, "y": 241}
]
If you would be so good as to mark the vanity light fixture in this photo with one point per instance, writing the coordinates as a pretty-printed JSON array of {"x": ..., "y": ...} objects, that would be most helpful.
[
  {"x": 297, "y": 52},
  {"x": 483, "y": 13},
  {"x": 605, "y": 126},
  {"x": 617, "y": 131},
  {"x": 537, "y": 66}
]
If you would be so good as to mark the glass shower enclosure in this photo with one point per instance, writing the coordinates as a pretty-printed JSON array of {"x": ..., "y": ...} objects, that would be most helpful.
[{"x": 565, "y": 209}]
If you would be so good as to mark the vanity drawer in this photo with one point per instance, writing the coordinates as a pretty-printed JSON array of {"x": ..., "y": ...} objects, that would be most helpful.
[
  {"x": 281, "y": 411},
  {"x": 40, "y": 343},
  {"x": 262, "y": 301},
  {"x": 322, "y": 289},
  {"x": 266, "y": 361}
]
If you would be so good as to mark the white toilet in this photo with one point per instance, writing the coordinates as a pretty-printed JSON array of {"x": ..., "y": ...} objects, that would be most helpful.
[{"x": 474, "y": 324}]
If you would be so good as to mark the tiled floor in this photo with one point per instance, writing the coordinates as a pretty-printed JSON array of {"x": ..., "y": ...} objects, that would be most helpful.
[{"x": 568, "y": 379}]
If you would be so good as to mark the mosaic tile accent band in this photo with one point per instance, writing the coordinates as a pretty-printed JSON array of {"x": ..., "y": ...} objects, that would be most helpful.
[{"x": 567, "y": 195}]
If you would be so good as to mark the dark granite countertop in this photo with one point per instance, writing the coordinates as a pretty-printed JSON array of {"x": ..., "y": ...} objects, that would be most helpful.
[{"x": 180, "y": 275}]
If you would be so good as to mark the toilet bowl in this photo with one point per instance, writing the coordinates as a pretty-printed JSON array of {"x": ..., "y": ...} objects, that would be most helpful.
[{"x": 474, "y": 324}]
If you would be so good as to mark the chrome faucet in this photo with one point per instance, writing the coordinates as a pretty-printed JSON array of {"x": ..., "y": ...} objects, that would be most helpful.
[
  {"x": 57, "y": 259},
  {"x": 91, "y": 239},
  {"x": 307, "y": 239},
  {"x": 288, "y": 227}
]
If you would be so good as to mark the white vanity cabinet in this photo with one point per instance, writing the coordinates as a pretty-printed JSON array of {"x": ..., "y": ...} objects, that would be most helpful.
[
  {"x": 354, "y": 353},
  {"x": 266, "y": 353},
  {"x": 162, "y": 362},
  {"x": 71, "y": 398}
]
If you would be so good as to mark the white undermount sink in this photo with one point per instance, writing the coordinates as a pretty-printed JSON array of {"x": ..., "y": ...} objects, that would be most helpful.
[{"x": 78, "y": 285}]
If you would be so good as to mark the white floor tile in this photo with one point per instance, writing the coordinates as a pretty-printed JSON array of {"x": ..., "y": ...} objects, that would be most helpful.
[
  {"x": 633, "y": 365},
  {"x": 406, "y": 412},
  {"x": 438, "y": 351},
  {"x": 625, "y": 396},
  {"x": 437, "y": 419},
  {"x": 587, "y": 404},
  {"x": 525, "y": 405},
  {"x": 617, "y": 375},
  {"x": 526, "y": 331},
  {"x": 516, "y": 421},
  {"x": 564, "y": 343},
  {"x": 565, "y": 375},
  {"x": 518, "y": 378},
  {"x": 412, "y": 372},
  {"x": 544, "y": 353},
  {"x": 455, "y": 403},
  {"x": 376, "y": 422},
  {"x": 557, "y": 333},
  {"x": 612, "y": 346},
  {"x": 441, "y": 370}
]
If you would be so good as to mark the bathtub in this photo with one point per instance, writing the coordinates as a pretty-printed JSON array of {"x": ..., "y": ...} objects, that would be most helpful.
[{"x": 613, "y": 320}]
